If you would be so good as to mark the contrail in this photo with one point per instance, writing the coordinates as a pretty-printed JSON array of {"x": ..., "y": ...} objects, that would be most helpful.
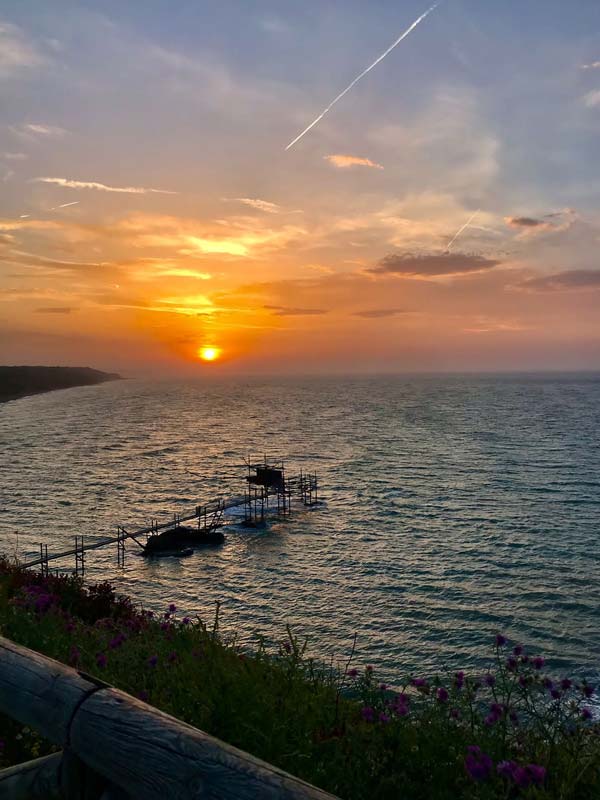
[
  {"x": 66, "y": 205},
  {"x": 461, "y": 229},
  {"x": 363, "y": 73}
]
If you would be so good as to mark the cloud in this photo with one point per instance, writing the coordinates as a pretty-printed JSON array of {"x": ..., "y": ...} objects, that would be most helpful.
[
  {"x": 577, "y": 280},
  {"x": 16, "y": 52},
  {"x": 344, "y": 161},
  {"x": 102, "y": 187},
  {"x": 523, "y": 222},
  {"x": 54, "y": 310},
  {"x": 255, "y": 202},
  {"x": 14, "y": 156},
  {"x": 286, "y": 311},
  {"x": 380, "y": 313},
  {"x": 409, "y": 265},
  {"x": 35, "y": 129},
  {"x": 592, "y": 99},
  {"x": 591, "y": 65}
]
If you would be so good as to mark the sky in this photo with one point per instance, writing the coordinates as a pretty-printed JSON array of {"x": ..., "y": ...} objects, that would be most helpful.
[{"x": 150, "y": 213}]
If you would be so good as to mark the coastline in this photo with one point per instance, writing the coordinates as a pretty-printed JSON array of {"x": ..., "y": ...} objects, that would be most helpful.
[{"x": 24, "y": 381}]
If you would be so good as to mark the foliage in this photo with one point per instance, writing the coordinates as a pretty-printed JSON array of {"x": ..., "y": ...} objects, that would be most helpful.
[{"x": 512, "y": 732}]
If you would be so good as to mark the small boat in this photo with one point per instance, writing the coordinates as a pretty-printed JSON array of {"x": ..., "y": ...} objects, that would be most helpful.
[{"x": 181, "y": 538}]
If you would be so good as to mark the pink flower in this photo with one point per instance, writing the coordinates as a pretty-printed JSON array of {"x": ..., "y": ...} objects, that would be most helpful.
[
  {"x": 352, "y": 673},
  {"x": 478, "y": 764}
]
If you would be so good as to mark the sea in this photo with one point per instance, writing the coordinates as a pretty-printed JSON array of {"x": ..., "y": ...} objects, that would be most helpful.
[{"x": 452, "y": 507}]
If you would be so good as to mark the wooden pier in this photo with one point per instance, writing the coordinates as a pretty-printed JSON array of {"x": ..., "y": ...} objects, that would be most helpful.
[{"x": 265, "y": 481}]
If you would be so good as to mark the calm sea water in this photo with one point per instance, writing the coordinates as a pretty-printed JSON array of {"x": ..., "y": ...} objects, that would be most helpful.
[{"x": 455, "y": 506}]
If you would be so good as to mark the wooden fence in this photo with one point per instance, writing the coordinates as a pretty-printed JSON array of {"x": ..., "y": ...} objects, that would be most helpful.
[{"x": 115, "y": 747}]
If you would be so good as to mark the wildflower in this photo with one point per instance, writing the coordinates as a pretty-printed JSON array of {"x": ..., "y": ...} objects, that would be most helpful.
[
  {"x": 500, "y": 640},
  {"x": 511, "y": 664},
  {"x": 369, "y": 668},
  {"x": 101, "y": 660},
  {"x": 173, "y": 657},
  {"x": 566, "y": 683},
  {"x": 514, "y": 717},
  {"x": 69, "y": 627},
  {"x": 143, "y": 696},
  {"x": 368, "y": 714},
  {"x": 506, "y": 769},
  {"x": 586, "y": 713},
  {"x": 587, "y": 690},
  {"x": 538, "y": 662},
  {"x": 186, "y": 621},
  {"x": 524, "y": 659},
  {"x": 555, "y": 693},
  {"x": 117, "y": 641},
  {"x": 74, "y": 656},
  {"x": 287, "y": 647},
  {"x": 455, "y": 713},
  {"x": 516, "y": 652},
  {"x": 352, "y": 673},
  {"x": 153, "y": 661},
  {"x": 442, "y": 695},
  {"x": 459, "y": 679},
  {"x": 172, "y": 608},
  {"x": 383, "y": 686},
  {"x": 523, "y": 681},
  {"x": 478, "y": 764},
  {"x": 384, "y": 718},
  {"x": 548, "y": 684},
  {"x": 536, "y": 773},
  {"x": 489, "y": 680},
  {"x": 420, "y": 684}
]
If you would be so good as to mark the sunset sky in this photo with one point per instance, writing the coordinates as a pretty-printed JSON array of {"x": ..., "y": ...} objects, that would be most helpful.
[{"x": 149, "y": 207}]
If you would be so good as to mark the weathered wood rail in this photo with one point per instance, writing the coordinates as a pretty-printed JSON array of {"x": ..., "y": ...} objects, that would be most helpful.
[{"x": 116, "y": 747}]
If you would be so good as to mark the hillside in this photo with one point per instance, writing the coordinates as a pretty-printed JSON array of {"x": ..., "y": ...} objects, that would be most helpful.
[{"x": 18, "y": 382}]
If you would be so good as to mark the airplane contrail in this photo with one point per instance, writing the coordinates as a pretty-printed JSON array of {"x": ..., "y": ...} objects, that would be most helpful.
[
  {"x": 363, "y": 73},
  {"x": 66, "y": 205},
  {"x": 461, "y": 229}
]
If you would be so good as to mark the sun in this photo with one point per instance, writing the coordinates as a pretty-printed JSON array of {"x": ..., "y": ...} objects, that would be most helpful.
[{"x": 209, "y": 353}]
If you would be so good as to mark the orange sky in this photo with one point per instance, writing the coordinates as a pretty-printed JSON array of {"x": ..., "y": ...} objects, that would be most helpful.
[{"x": 149, "y": 208}]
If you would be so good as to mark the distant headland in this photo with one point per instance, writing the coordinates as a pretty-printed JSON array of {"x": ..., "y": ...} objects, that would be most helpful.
[{"x": 18, "y": 382}]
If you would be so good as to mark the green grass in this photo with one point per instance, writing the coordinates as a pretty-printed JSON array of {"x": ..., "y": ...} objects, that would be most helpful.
[{"x": 340, "y": 729}]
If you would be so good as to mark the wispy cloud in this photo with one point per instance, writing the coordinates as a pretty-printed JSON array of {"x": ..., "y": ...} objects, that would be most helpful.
[
  {"x": 380, "y": 313},
  {"x": 592, "y": 99},
  {"x": 287, "y": 311},
  {"x": 362, "y": 74},
  {"x": 54, "y": 310},
  {"x": 65, "y": 205},
  {"x": 102, "y": 187},
  {"x": 14, "y": 156},
  {"x": 36, "y": 129},
  {"x": 16, "y": 51},
  {"x": 591, "y": 65},
  {"x": 409, "y": 265},
  {"x": 255, "y": 202},
  {"x": 576, "y": 280},
  {"x": 344, "y": 161}
]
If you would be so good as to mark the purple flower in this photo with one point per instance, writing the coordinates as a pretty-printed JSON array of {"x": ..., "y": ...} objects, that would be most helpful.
[
  {"x": 186, "y": 621},
  {"x": 143, "y": 696},
  {"x": 117, "y": 641},
  {"x": 586, "y": 714},
  {"x": 369, "y": 668},
  {"x": 74, "y": 656},
  {"x": 566, "y": 683},
  {"x": 383, "y": 686},
  {"x": 500, "y": 640},
  {"x": 384, "y": 718},
  {"x": 352, "y": 673},
  {"x": 490, "y": 680},
  {"x": 442, "y": 695},
  {"x": 538, "y": 662},
  {"x": 506, "y": 769},
  {"x": 511, "y": 664},
  {"x": 172, "y": 608},
  {"x": 478, "y": 764},
  {"x": 548, "y": 684},
  {"x": 523, "y": 681},
  {"x": 101, "y": 660},
  {"x": 368, "y": 714},
  {"x": 459, "y": 679},
  {"x": 420, "y": 684},
  {"x": 555, "y": 693},
  {"x": 524, "y": 659},
  {"x": 153, "y": 661},
  {"x": 587, "y": 690},
  {"x": 455, "y": 713},
  {"x": 537, "y": 773},
  {"x": 516, "y": 652}
]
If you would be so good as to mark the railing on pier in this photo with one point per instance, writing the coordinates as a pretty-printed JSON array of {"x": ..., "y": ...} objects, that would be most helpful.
[{"x": 116, "y": 747}]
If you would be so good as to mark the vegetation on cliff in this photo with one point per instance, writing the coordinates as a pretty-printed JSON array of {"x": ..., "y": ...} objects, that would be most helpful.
[
  {"x": 511, "y": 731},
  {"x": 18, "y": 382}
]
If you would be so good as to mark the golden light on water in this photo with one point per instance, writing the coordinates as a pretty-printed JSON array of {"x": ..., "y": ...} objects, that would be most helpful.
[{"x": 209, "y": 353}]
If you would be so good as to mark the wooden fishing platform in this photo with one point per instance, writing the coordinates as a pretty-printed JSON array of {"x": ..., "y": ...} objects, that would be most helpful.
[{"x": 266, "y": 481}]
